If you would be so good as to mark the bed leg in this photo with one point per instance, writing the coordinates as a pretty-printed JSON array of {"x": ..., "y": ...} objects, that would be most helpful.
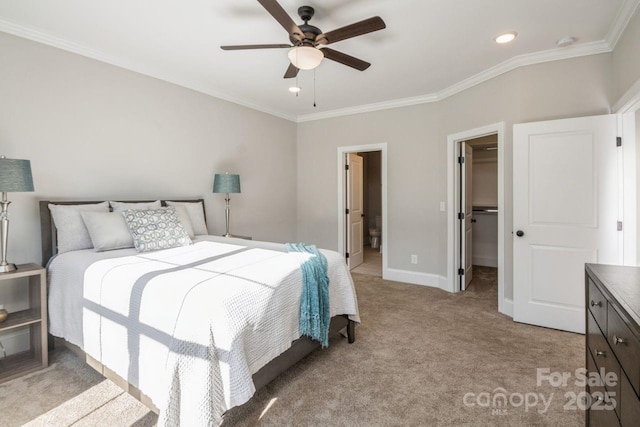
[{"x": 351, "y": 331}]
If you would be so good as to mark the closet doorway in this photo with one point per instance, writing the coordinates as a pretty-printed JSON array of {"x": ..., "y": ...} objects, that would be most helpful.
[{"x": 478, "y": 216}]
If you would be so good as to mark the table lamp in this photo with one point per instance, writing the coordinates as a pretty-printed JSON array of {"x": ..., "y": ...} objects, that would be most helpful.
[
  {"x": 15, "y": 175},
  {"x": 226, "y": 183}
]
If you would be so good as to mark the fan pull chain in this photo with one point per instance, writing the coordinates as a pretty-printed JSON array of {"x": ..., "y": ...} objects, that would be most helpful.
[
  {"x": 298, "y": 73},
  {"x": 314, "y": 88}
]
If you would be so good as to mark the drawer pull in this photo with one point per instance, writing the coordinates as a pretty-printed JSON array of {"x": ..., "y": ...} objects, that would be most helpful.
[
  {"x": 601, "y": 353},
  {"x": 596, "y": 304},
  {"x": 618, "y": 340}
]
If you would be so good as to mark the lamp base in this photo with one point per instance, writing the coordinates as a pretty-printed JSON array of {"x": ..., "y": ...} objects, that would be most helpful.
[{"x": 7, "y": 268}]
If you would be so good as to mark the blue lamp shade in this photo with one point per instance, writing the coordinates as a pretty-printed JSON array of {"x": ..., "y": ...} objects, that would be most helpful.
[
  {"x": 15, "y": 175},
  {"x": 226, "y": 183}
]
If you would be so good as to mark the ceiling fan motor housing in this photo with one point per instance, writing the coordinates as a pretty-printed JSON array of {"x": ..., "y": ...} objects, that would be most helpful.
[{"x": 310, "y": 32}]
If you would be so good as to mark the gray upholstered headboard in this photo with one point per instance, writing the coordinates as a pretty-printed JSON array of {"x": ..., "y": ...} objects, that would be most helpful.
[{"x": 48, "y": 228}]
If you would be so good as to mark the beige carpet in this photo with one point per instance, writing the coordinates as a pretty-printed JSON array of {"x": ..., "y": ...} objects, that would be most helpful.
[{"x": 418, "y": 353}]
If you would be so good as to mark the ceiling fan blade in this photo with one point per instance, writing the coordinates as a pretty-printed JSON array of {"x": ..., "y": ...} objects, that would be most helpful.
[
  {"x": 256, "y": 46},
  {"x": 359, "y": 28},
  {"x": 345, "y": 59},
  {"x": 283, "y": 18},
  {"x": 291, "y": 72}
]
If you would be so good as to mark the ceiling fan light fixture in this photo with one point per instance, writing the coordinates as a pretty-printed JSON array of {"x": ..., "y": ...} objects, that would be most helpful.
[
  {"x": 305, "y": 57},
  {"x": 506, "y": 37}
]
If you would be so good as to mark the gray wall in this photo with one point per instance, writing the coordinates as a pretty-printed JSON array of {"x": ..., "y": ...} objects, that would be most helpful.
[
  {"x": 638, "y": 186},
  {"x": 95, "y": 131},
  {"x": 416, "y": 138},
  {"x": 626, "y": 57}
]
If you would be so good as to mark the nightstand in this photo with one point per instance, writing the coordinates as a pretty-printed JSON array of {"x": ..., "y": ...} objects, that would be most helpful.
[{"x": 32, "y": 319}]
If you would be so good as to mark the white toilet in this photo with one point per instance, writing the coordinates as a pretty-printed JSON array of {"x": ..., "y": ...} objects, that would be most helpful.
[{"x": 375, "y": 234}]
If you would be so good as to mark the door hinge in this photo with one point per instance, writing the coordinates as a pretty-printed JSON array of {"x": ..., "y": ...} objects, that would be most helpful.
[
  {"x": 461, "y": 272},
  {"x": 618, "y": 141},
  {"x": 346, "y": 167},
  {"x": 461, "y": 160},
  {"x": 461, "y": 215},
  {"x": 346, "y": 211},
  {"x": 619, "y": 225},
  {"x": 346, "y": 255}
]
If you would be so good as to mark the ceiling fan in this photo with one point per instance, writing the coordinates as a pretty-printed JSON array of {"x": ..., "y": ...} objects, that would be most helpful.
[{"x": 305, "y": 39}]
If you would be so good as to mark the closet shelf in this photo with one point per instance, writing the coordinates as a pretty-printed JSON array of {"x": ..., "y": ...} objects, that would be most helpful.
[{"x": 485, "y": 209}]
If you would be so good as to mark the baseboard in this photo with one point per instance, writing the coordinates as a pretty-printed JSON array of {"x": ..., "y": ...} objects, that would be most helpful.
[
  {"x": 15, "y": 341},
  {"x": 416, "y": 278},
  {"x": 485, "y": 261}
]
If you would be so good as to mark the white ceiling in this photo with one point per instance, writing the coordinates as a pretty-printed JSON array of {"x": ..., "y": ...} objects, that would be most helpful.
[{"x": 429, "y": 50}]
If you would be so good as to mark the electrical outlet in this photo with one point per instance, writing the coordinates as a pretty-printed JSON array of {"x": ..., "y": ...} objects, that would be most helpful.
[
  {"x": 442, "y": 207},
  {"x": 414, "y": 259}
]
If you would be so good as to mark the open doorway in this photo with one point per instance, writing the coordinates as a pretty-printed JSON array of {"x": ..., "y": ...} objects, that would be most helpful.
[
  {"x": 371, "y": 261},
  {"x": 478, "y": 222},
  {"x": 362, "y": 213},
  {"x": 455, "y": 251}
]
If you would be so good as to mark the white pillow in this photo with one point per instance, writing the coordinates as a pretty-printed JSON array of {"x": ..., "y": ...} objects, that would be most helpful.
[
  {"x": 71, "y": 232},
  {"x": 183, "y": 216},
  {"x": 123, "y": 206},
  {"x": 108, "y": 230},
  {"x": 196, "y": 215}
]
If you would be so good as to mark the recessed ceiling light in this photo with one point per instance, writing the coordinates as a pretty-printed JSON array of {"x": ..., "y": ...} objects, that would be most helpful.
[
  {"x": 294, "y": 89},
  {"x": 506, "y": 37},
  {"x": 566, "y": 41}
]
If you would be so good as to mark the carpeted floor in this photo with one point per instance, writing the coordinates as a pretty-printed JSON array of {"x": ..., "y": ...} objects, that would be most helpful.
[{"x": 420, "y": 354}]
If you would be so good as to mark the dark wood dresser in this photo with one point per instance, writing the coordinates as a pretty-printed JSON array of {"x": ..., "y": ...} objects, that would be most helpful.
[{"x": 613, "y": 344}]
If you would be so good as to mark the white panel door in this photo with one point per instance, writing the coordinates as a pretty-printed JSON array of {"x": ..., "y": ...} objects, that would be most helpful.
[
  {"x": 466, "y": 232},
  {"x": 565, "y": 212},
  {"x": 355, "y": 212}
]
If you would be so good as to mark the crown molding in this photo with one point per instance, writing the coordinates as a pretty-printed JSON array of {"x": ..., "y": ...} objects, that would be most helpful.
[
  {"x": 60, "y": 43},
  {"x": 585, "y": 49},
  {"x": 404, "y": 102},
  {"x": 625, "y": 13}
]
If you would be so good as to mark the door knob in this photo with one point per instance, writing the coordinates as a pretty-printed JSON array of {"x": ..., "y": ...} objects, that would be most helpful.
[{"x": 519, "y": 233}]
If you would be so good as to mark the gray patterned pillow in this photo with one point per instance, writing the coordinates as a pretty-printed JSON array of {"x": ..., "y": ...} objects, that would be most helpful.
[{"x": 155, "y": 229}]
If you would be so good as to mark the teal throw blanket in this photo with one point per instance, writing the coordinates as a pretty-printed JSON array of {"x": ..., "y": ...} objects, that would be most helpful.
[{"x": 314, "y": 302}]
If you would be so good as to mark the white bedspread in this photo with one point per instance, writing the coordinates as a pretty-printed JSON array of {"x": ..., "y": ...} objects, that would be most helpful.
[{"x": 187, "y": 326}]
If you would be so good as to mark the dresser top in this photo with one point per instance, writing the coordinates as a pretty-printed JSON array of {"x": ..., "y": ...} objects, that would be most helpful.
[{"x": 623, "y": 283}]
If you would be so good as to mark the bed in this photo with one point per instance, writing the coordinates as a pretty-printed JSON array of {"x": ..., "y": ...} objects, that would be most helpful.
[{"x": 191, "y": 331}]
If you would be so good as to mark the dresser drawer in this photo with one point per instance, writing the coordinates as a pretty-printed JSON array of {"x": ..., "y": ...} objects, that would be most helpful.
[
  {"x": 601, "y": 408},
  {"x": 605, "y": 361},
  {"x": 597, "y": 304},
  {"x": 629, "y": 404},
  {"x": 625, "y": 346}
]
